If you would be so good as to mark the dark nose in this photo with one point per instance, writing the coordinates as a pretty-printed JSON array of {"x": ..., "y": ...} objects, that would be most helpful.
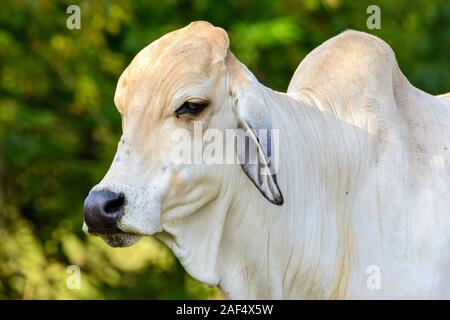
[{"x": 102, "y": 210}]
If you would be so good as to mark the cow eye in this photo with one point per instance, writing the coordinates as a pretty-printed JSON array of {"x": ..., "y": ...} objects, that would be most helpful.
[{"x": 191, "y": 107}]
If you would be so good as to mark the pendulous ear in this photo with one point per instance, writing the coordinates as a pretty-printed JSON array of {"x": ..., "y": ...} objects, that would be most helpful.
[{"x": 257, "y": 154}]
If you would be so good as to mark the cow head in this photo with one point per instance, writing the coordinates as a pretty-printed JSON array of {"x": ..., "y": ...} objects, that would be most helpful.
[{"x": 185, "y": 80}]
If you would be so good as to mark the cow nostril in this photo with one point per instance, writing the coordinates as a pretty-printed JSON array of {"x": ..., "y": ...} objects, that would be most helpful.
[{"x": 115, "y": 205}]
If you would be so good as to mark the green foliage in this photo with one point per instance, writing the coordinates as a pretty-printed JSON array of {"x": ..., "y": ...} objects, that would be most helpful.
[{"x": 59, "y": 127}]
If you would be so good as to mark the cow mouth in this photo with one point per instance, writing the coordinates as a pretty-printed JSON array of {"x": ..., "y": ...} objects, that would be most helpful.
[
  {"x": 120, "y": 239},
  {"x": 115, "y": 237}
]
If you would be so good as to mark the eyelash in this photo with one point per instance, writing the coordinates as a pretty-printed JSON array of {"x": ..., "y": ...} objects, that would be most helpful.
[{"x": 191, "y": 108}]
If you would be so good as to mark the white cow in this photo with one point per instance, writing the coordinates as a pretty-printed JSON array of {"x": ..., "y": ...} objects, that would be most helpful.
[{"x": 360, "y": 204}]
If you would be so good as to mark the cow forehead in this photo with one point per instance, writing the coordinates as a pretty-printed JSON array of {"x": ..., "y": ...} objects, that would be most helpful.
[{"x": 192, "y": 50}]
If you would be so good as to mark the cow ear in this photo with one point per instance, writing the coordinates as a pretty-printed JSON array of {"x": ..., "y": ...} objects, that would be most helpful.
[{"x": 257, "y": 156}]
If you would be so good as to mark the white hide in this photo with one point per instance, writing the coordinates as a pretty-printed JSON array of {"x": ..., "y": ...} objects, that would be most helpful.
[{"x": 364, "y": 173}]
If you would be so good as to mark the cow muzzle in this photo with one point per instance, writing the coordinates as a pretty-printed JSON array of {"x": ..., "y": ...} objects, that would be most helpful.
[{"x": 121, "y": 214}]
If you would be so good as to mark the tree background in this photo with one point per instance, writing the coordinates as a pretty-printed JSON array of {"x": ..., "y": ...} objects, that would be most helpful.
[{"x": 59, "y": 127}]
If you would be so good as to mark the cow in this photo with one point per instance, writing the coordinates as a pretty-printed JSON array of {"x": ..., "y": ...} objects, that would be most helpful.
[{"x": 357, "y": 208}]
